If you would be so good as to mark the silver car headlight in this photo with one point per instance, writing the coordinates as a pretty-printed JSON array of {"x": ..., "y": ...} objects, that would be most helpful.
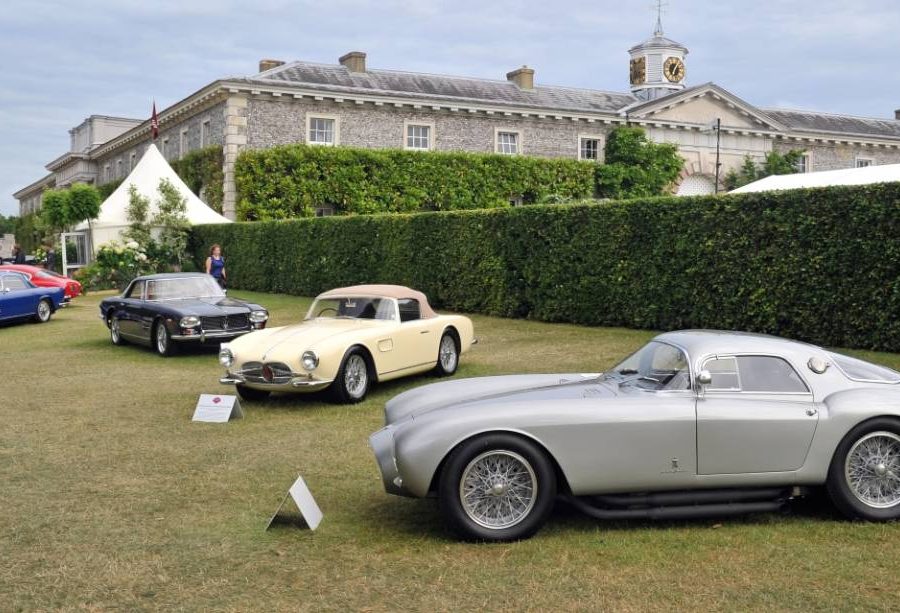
[
  {"x": 191, "y": 321},
  {"x": 258, "y": 317},
  {"x": 309, "y": 360},
  {"x": 226, "y": 358}
]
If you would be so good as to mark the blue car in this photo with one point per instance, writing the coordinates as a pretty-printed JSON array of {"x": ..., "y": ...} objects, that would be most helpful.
[{"x": 20, "y": 299}]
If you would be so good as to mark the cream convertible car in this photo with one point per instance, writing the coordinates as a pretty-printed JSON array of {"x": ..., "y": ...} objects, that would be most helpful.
[{"x": 350, "y": 338}]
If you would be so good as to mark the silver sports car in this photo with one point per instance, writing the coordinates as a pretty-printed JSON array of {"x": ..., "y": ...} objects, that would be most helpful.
[{"x": 694, "y": 424}]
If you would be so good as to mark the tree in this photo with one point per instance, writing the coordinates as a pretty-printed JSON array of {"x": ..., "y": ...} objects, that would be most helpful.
[
  {"x": 775, "y": 163},
  {"x": 173, "y": 223},
  {"x": 55, "y": 209},
  {"x": 137, "y": 212},
  {"x": 635, "y": 166},
  {"x": 8, "y": 224},
  {"x": 84, "y": 203}
]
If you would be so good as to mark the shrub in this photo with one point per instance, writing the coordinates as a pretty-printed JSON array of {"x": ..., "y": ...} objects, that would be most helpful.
[
  {"x": 293, "y": 180},
  {"x": 201, "y": 171},
  {"x": 635, "y": 166},
  {"x": 818, "y": 265},
  {"x": 115, "y": 265}
]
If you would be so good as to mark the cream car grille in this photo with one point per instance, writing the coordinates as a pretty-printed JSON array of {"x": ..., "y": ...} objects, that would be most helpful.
[{"x": 275, "y": 373}]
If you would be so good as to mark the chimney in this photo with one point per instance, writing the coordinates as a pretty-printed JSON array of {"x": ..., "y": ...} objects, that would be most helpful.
[
  {"x": 265, "y": 65},
  {"x": 355, "y": 61},
  {"x": 523, "y": 77}
]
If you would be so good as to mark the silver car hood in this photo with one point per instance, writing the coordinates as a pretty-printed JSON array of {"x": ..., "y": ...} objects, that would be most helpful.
[{"x": 493, "y": 389}]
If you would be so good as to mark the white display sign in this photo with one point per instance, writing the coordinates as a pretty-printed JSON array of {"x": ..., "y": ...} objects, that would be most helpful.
[
  {"x": 217, "y": 408},
  {"x": 305, "y": 503}
]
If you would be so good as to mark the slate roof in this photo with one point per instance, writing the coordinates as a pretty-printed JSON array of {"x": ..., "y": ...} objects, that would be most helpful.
[
  {"x": 807, "y": 121},
  {"x": 331, "y": 78}
]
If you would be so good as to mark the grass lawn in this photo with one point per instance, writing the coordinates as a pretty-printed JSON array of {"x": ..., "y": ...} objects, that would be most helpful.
[{"x": 111, "y": 498}]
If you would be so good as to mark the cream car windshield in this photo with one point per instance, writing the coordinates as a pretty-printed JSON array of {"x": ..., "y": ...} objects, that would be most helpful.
[
  {"x": 353, "y": 307},
  {"x": 656, "y": 366},
  {"x": 201, "y": 286}
]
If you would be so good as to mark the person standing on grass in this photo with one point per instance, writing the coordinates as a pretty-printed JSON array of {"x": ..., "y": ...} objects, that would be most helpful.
[
  {"x": 215, "y": 265},
  {"x": 18, "y": 254}
]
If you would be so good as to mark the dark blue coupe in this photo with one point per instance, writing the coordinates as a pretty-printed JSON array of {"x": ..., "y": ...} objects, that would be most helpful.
[{"x": 21, "y": 300}]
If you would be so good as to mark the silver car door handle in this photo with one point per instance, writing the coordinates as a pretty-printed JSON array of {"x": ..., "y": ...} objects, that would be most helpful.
[{"x": 811, "y": 412}]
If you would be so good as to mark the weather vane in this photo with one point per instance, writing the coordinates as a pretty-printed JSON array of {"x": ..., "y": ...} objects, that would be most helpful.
[{"x": 659, "y": 6}]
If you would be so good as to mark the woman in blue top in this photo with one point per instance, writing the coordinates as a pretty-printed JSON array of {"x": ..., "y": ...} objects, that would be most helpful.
[{"x": 215, "y": 265}]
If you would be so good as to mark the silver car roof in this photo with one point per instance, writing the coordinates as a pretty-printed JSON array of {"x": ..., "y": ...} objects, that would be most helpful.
[{"x": 700, "y": 343}]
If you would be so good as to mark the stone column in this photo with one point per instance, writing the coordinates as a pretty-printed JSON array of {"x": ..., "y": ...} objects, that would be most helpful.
[{"x": 235, "y": 141}]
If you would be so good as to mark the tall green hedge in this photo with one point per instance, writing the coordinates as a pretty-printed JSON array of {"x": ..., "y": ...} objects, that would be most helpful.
[
  {"x": 293, "y": 180},
  {"x": 819, "y": 265}
]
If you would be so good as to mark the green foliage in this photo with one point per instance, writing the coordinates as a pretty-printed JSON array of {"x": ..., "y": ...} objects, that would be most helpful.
[
  {"x": 115, "y": 265},
  {"x": 55, "y": 208},
  {"x": 173, "y": 224},
  {"x": 818, "y": 265},
  {"x": 29, "y": 231},
  {"x": 201, "y": 170},
  {"x": 8, "y": 224},
  {"x": 292, "y": 180},
  {"x": 635, "y": 166},
  {"x": 107, "y": 189},
  {"x": 138, "y": 212},
  {"x": 83, "y": 203},
  {"x": 775, "y": 163}
]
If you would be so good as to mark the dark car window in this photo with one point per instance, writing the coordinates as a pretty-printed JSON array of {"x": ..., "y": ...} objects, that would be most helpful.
[
  {"x": 135, "y": 291},
  {"x": 409, "y": 309}
]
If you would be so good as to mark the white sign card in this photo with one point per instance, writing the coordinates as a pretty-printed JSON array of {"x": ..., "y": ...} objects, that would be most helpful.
[
  {"x": 217, "y": 408},
  {"x": 305, "y": 503}
]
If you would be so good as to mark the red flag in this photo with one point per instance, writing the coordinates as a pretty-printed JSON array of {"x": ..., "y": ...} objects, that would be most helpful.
[{"x": 154, "y": 122}]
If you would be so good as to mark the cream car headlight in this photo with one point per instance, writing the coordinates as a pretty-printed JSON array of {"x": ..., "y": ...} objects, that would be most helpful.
[
  {"x": 226, "y": 358},
  {"x": 258, "y": 317},
  {"x": 309, "y": 360},
  {"x": 191, "y": 321}
]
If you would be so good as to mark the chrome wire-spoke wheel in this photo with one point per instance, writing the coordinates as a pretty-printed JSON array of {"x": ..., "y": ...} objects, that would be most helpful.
[
  {"x": 448, "y": 355},
  {"x": 872, "y": 469},
  {"x": 162, "y": 339},
  {"x": 498, "y": 489},
  {"x": 356, "y": 376},
  {"x": 43, "y": 310}
]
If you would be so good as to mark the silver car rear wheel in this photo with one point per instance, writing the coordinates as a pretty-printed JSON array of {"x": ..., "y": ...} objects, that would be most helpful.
[
  {"x": 872, "y": 470},
  {"x": 498, "y": 489}
]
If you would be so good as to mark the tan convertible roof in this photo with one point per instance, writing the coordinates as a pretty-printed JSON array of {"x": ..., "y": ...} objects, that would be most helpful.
[{"x": 387, "y": 291}]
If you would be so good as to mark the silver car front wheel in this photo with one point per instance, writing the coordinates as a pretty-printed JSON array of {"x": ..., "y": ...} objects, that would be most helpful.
[{"x": 498, "y": 489}]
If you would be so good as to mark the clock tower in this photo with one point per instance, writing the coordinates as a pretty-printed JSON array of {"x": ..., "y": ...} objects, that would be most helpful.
[{"x": 657, "y": 65}]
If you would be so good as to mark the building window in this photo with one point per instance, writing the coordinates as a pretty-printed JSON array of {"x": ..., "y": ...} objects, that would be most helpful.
[
  {"x": 107, "y": 173},
  {"x": 507, "y": 142},
  {"x": 131, "y": 159},
  {"x": 204, "y": 133},
  {"x": 804, "y": 164},
  {"x": 418, "y": 136},
  {"x": 590, "y": 148},
  {"x": 165, "y": 148},
  {"x": 864, "y": 162},
  {"x": 322, "y": 130},
  {"x": 118, "y": 168},
  {"x": 183, "y": 144},
  {"x": 324, "y": 211}
]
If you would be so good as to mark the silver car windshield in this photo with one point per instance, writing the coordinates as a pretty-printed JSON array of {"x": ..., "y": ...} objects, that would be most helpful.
[
  {"x": 183, "y": 288},
  {"x": 655, "y": 366},
  {"x": 353, "y": 307}
]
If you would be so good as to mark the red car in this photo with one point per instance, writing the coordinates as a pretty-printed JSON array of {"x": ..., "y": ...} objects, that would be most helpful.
[{"x": 46, "y": 278}]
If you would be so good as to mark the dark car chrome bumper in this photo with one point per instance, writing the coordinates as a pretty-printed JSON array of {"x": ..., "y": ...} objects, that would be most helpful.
[{"x": 202, "y": 337}]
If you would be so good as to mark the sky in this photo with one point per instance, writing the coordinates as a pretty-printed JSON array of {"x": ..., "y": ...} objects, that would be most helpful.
[{"x": 63, "y": 61}]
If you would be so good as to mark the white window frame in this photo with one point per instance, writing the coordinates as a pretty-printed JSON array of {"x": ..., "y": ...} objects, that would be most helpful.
[
  {"x": 205, "y": 132},
  {"x": 520, "y": 148},
  {"x": 424, "y": 124},
  {"x": 862, "y": 158},
  {"x": 183, "y": 142},
  {"x": 336, "y": 134},
  {"x": 807, "y": 156},
  {"x": 601, "y": 145}
]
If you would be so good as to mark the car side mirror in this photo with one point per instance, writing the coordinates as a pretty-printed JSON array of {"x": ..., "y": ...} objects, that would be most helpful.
[{"x": 704, "y": 377}]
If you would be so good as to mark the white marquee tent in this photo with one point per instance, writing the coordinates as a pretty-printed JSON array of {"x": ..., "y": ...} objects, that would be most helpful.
[
  {"x": 150, "y": 170},
  {"x": 849, "y": 176}
]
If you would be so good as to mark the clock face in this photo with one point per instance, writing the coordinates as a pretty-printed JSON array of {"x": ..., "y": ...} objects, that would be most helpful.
[
  {"x": 674, "y": 70},
  {"x": 638, "y": 70}
]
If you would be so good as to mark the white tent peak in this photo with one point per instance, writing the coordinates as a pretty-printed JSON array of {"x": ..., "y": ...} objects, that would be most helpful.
[
  {"x": 867, "y": 175},
  {"x": 146, "y": 176}
]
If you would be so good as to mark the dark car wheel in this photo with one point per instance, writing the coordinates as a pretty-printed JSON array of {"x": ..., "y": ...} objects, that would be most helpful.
[
  {"x": 497, "y": 487},
  {"x": 352, "y": 382},
  {"x": 162, "y": 340},
  {"x": 864, "y": 477},
  {"x": 44, "y": 311},
  {"x": 448, "y": 355},
  {"x": 115, "y": 331},
  {"x": 251, "y": 395}
]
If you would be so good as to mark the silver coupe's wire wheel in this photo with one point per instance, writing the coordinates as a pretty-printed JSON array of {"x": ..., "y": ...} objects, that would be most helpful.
[
  {"x": 448, "y": 355},
  {"x": 356, "y": 376},
  {"x": 498, "y": 489},
  {"x": 872, "y": 469}
]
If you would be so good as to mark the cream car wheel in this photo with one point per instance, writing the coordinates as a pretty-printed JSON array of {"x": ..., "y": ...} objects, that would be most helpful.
[
  {"x": 448, "y": 355},
  {"x": 356, "y": 376}
]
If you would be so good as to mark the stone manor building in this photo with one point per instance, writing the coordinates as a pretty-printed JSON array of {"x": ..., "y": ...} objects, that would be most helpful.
[{"x": 352, "y": 104}]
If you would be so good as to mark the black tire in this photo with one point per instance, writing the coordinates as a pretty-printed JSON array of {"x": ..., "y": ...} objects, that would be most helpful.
[
  {"x": 115, "y": 332},
  {"x": 43, "y": 312},
  {"x": 162, "y": 340},
  {"x": 448, "y": 359},
  {"x": 846, "y": 496},
  {"x": 351, "y": 385},
  {"x": 466, "y": 459},
  {"x": 251, "y": 395}
]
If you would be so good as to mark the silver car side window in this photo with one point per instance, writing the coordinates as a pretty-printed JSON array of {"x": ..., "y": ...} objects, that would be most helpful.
[
  {"x": 764, "y": 373},
  {"x": 725, "y": 376}
]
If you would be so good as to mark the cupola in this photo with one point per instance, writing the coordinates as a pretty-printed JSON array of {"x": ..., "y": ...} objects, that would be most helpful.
[{"x": 657, "y": 66}]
